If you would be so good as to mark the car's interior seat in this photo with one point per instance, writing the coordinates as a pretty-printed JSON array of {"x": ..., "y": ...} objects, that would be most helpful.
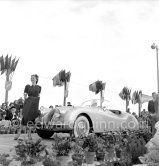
[
  {"x": 94, "y": 103},
  {"x": 118, "y": 112}
]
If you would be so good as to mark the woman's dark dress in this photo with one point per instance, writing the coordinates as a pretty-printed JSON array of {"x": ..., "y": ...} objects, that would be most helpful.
[{"x": 31, "y": 105}]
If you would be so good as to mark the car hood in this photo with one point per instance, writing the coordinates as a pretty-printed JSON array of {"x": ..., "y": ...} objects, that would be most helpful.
[{"x": 64, "y": 110}]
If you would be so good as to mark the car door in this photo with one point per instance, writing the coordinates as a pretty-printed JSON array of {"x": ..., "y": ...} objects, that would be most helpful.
[{"x": 109, "y": 121}]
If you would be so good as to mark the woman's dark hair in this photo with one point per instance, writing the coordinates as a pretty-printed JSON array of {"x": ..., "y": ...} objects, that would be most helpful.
[{"x": 37, "y": 77}]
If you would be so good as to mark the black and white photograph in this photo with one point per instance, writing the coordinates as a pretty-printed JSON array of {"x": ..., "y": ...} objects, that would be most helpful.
[{"x": 79, "y": 82}]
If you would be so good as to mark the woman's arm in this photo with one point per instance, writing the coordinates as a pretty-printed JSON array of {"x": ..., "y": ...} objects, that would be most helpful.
[
  {"x": 25, "y": 96},
  {"x": 26, "y": 92},
  {"x": 39, "y": 91}
]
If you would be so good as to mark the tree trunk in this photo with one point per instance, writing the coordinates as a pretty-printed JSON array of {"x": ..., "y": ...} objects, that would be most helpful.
[
  {"x": 127, "y": 104},
  {"x": 101, "y": 98},
  {"x": 6, "y": 93},
  {"x": 140, "y": 106},
  {"x": 64, "y": 101}
]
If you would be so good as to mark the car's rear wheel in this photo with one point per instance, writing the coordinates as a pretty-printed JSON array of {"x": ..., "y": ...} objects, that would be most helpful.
[
  {"x": 81, "y": 126},
  {"x": 44, "y": 133}
]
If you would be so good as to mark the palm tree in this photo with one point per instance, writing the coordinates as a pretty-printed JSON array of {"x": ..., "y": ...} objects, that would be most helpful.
[
  {"x": 136, "y": 98},
  {"x": 98, "y": 86},
  {"x": 125, "y": 95},
  {"x": 62, "y": 78},
  {"x": 7, "y": 67}
]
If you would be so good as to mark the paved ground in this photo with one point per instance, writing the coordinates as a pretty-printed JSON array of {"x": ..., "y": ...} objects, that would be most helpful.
[{"x": 7, "y": 141}]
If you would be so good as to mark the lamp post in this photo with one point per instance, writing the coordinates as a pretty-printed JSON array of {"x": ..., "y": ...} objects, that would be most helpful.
[{"x": 154, "y": 46}]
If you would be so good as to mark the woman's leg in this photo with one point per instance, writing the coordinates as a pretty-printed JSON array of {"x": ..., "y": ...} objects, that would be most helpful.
[
  {"x": 21, "y": 126},
  {"x": 30, "y": 127},
  {"x": 18, "y": 132},
  {"x": 29, "y": 133}
]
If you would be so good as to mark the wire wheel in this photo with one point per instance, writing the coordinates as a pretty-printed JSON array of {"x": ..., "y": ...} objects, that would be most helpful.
[{"x": 81, "y": 126}]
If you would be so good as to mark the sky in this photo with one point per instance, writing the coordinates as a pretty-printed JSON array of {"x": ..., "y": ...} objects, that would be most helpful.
[{"x": 93, "y": 39}]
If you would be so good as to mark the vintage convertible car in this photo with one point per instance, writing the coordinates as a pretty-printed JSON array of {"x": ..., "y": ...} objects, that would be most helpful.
[{"x": 88, "y": 117}]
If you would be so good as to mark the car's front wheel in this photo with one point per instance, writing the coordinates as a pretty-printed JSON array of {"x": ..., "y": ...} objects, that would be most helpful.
[
  {"x": 81, "y": 126},
  {"x": 44, "y": 133}
]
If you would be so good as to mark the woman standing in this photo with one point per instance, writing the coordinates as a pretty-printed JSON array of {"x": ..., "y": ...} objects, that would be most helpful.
[{"x": 31, "y": 103}]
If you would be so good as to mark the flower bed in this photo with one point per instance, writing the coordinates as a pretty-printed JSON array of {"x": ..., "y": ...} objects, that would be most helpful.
[{"x": 119, "y": 148}]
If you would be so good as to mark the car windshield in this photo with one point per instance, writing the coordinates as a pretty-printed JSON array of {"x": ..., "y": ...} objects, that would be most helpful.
[{"x": 96, "y": 103}]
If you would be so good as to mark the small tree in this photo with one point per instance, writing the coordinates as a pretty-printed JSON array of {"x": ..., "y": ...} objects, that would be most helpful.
[
  {"x": 97, "y": 87},
  {"x": 125, "y": 95},
  {"x": 8, "y": 66},
  {"x": 62, "y": 78},
  {"x": 136, "y": 98}
]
